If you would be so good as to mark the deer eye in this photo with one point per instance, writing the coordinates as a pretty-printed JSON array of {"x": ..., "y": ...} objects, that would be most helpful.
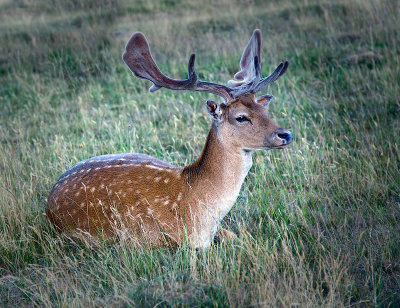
[{"x": 242, "y": 119}]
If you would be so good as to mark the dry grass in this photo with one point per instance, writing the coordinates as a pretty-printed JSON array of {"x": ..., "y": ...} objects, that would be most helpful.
[{"x": 318, "y": 223}]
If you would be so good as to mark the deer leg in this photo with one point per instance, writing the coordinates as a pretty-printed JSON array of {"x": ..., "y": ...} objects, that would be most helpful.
[{"x": 224, "y": 235}]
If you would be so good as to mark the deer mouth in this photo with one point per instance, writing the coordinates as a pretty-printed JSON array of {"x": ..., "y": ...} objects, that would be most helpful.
[
  {"x": 279, "y": 140},
  {"x": 269, "y": 147},
  {"x": 282, "y": 146},
  {"x": 282, "y": 139}
]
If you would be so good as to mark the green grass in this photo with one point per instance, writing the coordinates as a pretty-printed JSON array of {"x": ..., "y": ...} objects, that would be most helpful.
[{"x": 318, "y": 223}]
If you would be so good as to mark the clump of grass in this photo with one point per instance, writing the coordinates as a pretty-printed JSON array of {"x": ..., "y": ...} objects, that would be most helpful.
[{"x": 317, "y": 223}]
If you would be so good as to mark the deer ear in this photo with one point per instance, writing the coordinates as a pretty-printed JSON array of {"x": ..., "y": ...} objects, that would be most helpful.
[
  {"x": 214, "y": 110},
  {"x": 265, "y": 99}
]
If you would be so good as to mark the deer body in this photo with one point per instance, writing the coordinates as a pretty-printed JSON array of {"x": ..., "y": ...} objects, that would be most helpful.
[
  {"x": 136, "y": 194},
  {"x": 149, "y": 201}
]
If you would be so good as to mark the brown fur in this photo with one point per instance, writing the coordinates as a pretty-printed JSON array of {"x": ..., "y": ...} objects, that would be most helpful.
[{"x": 146, "y": 200}]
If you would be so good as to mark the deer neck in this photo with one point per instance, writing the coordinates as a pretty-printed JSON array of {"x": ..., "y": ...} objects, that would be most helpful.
[{"x": 219, "y": 172}]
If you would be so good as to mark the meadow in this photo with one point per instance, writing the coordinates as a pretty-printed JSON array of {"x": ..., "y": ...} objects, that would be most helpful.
[{"x": 318, "y": 223}]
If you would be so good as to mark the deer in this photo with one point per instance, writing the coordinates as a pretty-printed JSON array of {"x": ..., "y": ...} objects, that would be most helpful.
[{"x": 151, "y": 202}]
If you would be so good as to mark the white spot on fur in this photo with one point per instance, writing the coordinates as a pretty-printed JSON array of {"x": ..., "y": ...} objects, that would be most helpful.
[
  {"x": 154, "y": 167},
  {"x": 66, "y": 177},
  {"x": 92, "y": 189},
  {"x": 166, "y": 180},
  {"x": 77, "y": 194},
  {"x": 179, "y": 196},
  {"x": 157, "y": 179},
  {"x": 166, "y": 202},
  {"x": 124, "y": 195},
  {"x": 137, "y": 191}
]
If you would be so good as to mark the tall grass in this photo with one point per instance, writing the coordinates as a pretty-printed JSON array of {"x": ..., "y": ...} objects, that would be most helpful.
[{"x": 318, "y": 223}]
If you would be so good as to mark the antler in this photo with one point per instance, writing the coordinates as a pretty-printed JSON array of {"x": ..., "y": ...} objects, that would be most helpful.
[
  {"x": 248, "y": 66},
  {"x": 250, "y": 69},
  {"x": 279, "y": 71},
  {"x": 138, "y": 58}
]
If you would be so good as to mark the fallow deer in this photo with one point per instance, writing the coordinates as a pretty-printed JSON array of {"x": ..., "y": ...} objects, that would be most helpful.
[{"x": 139, "y": 197}]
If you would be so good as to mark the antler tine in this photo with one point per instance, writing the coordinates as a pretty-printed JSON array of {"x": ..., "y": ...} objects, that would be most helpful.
[
  {"x": 138, "y": 58},
  {"x": 278, "y": 72},
  {"x": 191, "y": 72}
]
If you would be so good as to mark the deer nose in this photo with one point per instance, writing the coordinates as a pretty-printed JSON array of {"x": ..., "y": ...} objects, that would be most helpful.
[{"x": 286, "y": 136}]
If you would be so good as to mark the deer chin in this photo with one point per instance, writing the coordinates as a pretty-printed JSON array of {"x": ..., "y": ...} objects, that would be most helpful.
[
  {"x": 261, "y": 148},
  {"x": 283, "y": 146},
  {"x": 268, "y": 147}
]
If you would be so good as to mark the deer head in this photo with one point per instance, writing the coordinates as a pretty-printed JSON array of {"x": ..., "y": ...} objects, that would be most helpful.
[{"x": 242, "y": 116}]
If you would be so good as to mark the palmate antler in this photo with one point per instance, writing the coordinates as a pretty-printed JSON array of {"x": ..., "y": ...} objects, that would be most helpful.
[
  {"x": 250, "y": 66},
  {"x": 250, "y": 69},
  {"x": 138, "y": 58}
]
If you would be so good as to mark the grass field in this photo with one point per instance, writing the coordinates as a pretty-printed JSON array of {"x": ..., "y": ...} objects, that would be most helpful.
[{"x": 318, "y": 223}]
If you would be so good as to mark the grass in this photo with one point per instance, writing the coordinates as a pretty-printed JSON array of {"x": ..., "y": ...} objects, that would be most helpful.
[{"x": 318, "y": 223}]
